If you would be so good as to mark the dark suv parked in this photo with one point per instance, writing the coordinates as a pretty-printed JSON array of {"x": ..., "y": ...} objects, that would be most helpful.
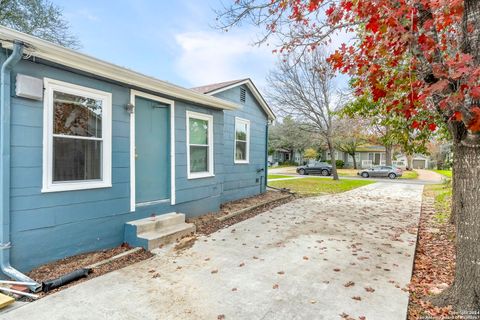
[{"x": 322, "y": 168}]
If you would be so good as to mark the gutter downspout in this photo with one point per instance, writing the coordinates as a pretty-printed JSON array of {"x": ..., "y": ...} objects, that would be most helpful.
[{"x": 5, "y": 246}]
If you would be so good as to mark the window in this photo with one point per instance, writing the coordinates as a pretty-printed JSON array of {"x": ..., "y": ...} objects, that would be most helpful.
[
  {"x": 242, "y": 140},
  {"x": 77, "y": 137},
  {"x": 243, "y": 95},
  {"x": 199, "y": 145}
]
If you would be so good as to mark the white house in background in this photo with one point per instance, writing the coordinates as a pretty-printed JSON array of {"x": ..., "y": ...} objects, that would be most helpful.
[{"x": 420, "y": 161}]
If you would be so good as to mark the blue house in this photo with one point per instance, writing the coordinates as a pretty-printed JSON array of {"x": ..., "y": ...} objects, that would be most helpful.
[{"x": 90, "y": 151}]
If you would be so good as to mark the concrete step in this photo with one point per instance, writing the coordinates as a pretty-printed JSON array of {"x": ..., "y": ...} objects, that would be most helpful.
[
  {"x": 152, "y": 232},
  {"x": 166, "y": 235},
  {"x": 152, "y": 223}
]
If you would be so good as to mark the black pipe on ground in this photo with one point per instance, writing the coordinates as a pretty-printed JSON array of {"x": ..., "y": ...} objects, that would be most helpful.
[{"x": 65, "y": 279}]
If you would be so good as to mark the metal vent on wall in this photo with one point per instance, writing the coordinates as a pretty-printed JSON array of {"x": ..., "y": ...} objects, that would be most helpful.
[{"x": 243, "y": 94}]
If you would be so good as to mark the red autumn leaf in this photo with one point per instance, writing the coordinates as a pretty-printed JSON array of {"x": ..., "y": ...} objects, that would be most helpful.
[
  {"x": 432, "y": 126},
  {"x": 373, "y": 25},
  {"x": 439, "y": 86},
  {"x": 474, "y": 124},
  {"x": 475, "y": 92},
  {"x": 378, "y": 94},
  {"x": 457, "y": 116},
  {"x": 415, "y": 124},
  {"x": 330, "y": 10}
]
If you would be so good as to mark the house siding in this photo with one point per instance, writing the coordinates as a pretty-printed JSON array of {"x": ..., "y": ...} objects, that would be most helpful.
[
  {"x": 242, "y": 180},
  {"x": 51, "y": 226}
]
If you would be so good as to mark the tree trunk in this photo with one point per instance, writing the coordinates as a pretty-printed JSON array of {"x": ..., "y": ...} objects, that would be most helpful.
[
  {"x": 409, "y": 162},
  {"x": 354, "y": 161},
  {"x": 388, "y": 155},
  {"x": 333, "y": 159},
  {"x": 464, "y": 294}
]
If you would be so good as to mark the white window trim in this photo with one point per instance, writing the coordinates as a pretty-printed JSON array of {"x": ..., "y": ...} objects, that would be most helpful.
[
  {"x": 247, "y": 160},
  {"x": 48, "y": 185},
  {"x": 133, "y": 95},
  {"x": 209, "y": 119}
]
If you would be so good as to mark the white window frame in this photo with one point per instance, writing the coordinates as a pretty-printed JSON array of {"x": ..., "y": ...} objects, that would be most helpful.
[
  {"x": 209, "y": 119},
  {"x": 48, "y": 185},
  {"x": 247, "y": 158}
]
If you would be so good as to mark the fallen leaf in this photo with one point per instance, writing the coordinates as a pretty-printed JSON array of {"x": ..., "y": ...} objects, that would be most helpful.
[
  {"x": 305, "y": 258},
  {"x": 336, "y": 270},
  {"x": 234, "y": 289},
  {"x": 369, "y": 289},
  {"x": 349, "y": 284},
  {"x": 241, "y": 264},
  {"x": 220, "y": 317},
  {"x": 214, "y": 271},
  {"x": 357, "y": 298}
]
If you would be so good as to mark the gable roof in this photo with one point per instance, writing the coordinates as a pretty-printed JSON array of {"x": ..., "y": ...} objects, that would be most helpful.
[
  {"x": 49, "y": 51},
  {"x": 212, "y": 89}
]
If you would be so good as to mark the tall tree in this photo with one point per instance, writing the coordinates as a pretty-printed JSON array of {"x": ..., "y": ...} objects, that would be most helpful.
[
  {"x": 288, "y": 135},
  {"x": 302, "y": 87},
  {"x": 351, "y": 135},
  {"x": 40, "y": 18},
  {"x": 411, "y": 56}
]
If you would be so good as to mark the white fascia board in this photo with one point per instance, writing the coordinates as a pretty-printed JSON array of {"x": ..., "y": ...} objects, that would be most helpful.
[{"x": 67, "y": 57}]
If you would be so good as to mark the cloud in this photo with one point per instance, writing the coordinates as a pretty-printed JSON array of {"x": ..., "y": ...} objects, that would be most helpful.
[
  {"x": 209, "y": 56},
  {"x": 85, "y": 13}
]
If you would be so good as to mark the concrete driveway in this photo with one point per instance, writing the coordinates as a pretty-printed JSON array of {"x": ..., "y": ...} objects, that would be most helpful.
[{"x": 313, "y": 258}]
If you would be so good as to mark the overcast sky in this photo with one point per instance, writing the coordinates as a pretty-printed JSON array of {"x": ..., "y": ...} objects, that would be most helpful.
[{"x": 170, "y": 40}]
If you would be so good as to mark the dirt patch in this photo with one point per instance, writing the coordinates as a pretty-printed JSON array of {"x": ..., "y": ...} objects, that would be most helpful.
[
  {"x": 208, "y": 223},
  {"x": 434, "y": 264},
  {"x": 61, "y": 267}
]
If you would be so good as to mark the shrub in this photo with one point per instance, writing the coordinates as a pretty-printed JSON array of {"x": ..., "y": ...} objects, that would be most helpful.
[{"x": 340, "y": 163}]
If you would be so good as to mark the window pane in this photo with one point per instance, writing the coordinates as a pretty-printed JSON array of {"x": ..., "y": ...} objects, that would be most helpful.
[
  {"x": 198, "y": 131},
  {"x": 198, "y": 159},
  {"x": 241, "y": 131},
  {"x": 241, "y": 150},
  {"x": 76, "y": 116},
  {"x": 75, "y": 159}
]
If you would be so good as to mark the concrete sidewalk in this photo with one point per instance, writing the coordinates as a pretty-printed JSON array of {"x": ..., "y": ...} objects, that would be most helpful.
[{"x": 313, "y": 258}]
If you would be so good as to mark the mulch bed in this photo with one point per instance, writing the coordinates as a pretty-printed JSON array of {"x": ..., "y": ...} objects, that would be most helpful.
[
  {"x": 434, "y": 264},
  {"x": 61, "y": 267},
  {"x": 208, "y": 223}
]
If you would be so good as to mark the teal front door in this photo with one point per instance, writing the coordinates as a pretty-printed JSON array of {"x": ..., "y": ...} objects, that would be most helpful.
[{"x": 152, "y": 151}]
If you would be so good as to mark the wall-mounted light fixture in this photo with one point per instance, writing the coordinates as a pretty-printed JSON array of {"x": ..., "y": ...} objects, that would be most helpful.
[{"x": 130, "y": 108}]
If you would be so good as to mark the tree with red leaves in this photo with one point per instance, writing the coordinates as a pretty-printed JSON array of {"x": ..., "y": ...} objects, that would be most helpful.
[{"x": 414, "y": 57}]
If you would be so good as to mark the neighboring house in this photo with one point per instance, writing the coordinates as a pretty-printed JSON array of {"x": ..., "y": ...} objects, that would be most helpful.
[
  {"x": 419, "y": 161},
  {"x": 366, "y": 156},
  {"x": 281, "y": 155},
  {"x": 94, "y": 146}
]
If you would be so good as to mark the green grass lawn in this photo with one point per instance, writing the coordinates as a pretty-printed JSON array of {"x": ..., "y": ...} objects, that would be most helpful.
[
  {"x": 277, "y": 176},
  {"x": 443, "y": 199},
  {"x": 446, "y": 173},
  {"x": 409, "y": 175},
  {"x": 315, "y": 186}
]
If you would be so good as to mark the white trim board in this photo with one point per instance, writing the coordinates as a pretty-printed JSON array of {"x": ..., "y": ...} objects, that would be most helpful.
[
  {"x": 247, "y": 151},
  {"x": 171, "y": 103},
  {"x": 39, "y": 48},
  {"x": 211, "y": 142},
  {"x": 48, "y": 185}
]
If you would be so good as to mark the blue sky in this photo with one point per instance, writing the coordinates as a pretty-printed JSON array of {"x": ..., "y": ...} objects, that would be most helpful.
[{"x": 170, "y": 40}]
